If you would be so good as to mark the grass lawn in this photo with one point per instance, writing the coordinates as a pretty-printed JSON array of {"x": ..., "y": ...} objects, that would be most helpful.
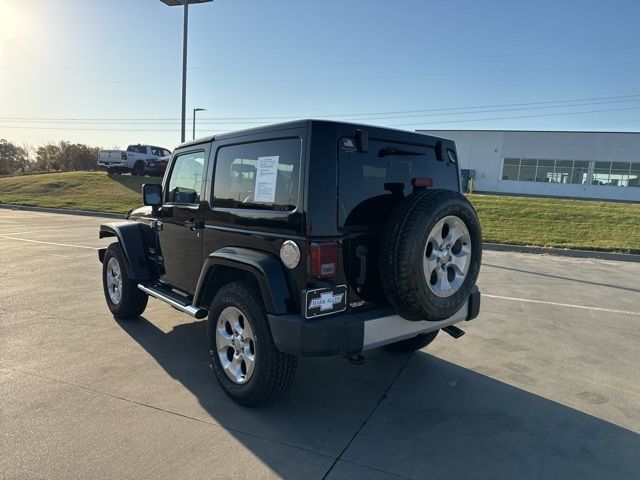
[
  {"x": 545, "y": 222},
  {"x": 548, "y": 222},
  {"x": 96, "y": 191}
]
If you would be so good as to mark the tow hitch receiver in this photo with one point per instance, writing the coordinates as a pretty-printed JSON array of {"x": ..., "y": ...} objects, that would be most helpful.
[{"x": 454, "y": 331}]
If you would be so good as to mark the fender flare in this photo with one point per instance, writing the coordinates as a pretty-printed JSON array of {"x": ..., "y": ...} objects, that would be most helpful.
[
  {"x": 265, "y": 267},
  {"x": 132, "y": 243}
]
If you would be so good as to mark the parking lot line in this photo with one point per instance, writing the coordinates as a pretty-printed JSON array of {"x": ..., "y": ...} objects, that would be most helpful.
[
  {"x": 557, "y": 304},
  {"x": 48, "y": 243}
]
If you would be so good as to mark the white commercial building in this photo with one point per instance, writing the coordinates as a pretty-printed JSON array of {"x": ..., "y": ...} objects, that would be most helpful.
[{"x": 599, "y": 165}]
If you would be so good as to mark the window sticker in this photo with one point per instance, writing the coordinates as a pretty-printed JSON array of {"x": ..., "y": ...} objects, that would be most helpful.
[{"x": 266, "y": 178}]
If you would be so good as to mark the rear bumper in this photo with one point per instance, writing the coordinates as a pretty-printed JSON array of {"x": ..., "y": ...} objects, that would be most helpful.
[
  {"x": 112, "y": 165},
  {"x": 349, "y": 334}
]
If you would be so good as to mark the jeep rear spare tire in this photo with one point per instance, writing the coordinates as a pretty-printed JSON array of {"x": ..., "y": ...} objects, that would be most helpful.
[{"x": 430, "y": 254}]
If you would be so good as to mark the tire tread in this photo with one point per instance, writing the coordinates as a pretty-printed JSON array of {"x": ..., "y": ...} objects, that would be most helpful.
[
  {"x": 281, "y": 367},
  {"x": 397, "y": 255},
  {"x": 133, "y": 301}
]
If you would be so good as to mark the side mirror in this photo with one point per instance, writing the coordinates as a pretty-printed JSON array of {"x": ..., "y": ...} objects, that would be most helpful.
[{"x": 152, "y": 194}]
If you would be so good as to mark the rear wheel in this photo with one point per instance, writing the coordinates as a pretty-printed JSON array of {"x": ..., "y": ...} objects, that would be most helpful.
[
  {"x": 124, "y": 298},
  {"x": 246, "y": 362},
  {"x": 138, "y": 169},
  {"x": 412, "y": 344}
]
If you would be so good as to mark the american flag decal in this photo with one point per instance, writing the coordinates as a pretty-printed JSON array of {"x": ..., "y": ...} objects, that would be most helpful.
[{"x": 348, "y": 143}]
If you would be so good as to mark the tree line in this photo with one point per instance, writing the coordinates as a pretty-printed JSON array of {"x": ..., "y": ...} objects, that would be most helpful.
[{"x": 53, "y": 157}]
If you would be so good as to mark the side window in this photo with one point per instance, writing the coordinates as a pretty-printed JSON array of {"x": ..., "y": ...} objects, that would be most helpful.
[
  {"x": 259, "y": 175},
  {"x": 185, "y": 182},
  {"x": 166, "y": 152},
  {"x": 156, "y": 152}
]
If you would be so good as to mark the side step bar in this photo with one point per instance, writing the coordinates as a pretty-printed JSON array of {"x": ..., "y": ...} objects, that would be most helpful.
[{"x": 192, "y": 310}]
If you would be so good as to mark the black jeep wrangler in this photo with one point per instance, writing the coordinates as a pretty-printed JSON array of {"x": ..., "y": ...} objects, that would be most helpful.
[{"x": 309, "y": 238}]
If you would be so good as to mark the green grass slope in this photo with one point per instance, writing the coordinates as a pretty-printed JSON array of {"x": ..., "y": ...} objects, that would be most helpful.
[
  {"x": 95, "y": 191},
  {"x": 548, "y": 222}
]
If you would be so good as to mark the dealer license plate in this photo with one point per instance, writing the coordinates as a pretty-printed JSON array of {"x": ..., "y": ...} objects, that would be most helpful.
[{"x": 323, "y": 301}]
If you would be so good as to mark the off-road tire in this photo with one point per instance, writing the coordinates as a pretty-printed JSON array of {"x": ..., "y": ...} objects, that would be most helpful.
[
  {"x": 412, "y": 344},
  {"x": 274, "y": 370},
  {"x": 402, "y": 248},
  {"x": 133, "y": 301}
]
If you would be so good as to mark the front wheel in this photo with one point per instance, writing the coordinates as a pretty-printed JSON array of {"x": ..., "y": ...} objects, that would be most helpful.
[
  {"x": 246, "y": 362},
  {"x": 124, "y": 298}
]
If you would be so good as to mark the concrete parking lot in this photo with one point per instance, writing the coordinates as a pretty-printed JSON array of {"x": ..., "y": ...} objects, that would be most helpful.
[{"x": 545, "y": 384}]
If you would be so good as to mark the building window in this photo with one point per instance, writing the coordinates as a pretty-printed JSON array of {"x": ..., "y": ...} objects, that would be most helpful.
[
  {"x": 563, "y": 171},
  {"x": 580, "y": 172},
  {"x": 601, "y": 173},
  {"x": 634, "y": 175},
  {"x": 527, "y": 170},
  {"x": 619, "y": 174},
  {"x": 612, "y": 174},
  {"x": 511, "y": 169},
  {"x": 545, "y": 171}
]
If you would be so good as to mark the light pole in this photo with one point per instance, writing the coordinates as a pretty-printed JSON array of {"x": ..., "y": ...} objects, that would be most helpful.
[
  {"x": 194, "y": 120},
  {"x": 186, "y": 3}
]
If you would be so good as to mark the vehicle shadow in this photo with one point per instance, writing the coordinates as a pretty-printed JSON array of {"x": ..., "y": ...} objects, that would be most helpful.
[
  {"x": 437, "y": 417},
  {"x": 132, "y": 182}
]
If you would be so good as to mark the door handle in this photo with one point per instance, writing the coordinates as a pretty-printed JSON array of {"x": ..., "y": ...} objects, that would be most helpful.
[{"x": 194, "y": 224}]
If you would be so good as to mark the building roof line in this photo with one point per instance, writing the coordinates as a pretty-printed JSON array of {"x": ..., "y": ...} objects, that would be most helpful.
[{"x": 519, "y": 131}]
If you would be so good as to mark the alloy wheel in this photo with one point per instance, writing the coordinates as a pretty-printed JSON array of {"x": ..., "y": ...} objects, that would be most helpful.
[
  {"x": 447, "y": 256},
  {"x": 236, "y": 345},
  {"x": 114, "y": 281}
]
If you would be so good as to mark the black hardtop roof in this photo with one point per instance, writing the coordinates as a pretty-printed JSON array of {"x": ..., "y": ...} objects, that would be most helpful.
[{"x": 303, "y": 123}]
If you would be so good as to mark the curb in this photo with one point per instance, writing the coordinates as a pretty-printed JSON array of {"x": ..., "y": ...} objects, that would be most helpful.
[
  {"x": 84, "y": 213},
  {"x": 562, "y": 252}
]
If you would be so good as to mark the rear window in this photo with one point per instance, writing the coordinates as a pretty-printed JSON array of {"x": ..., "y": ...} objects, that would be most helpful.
[
  {"x": 137, "y": 149},
  {"x": 371, "y": 184},
  {"x": 259, "y": 175}
]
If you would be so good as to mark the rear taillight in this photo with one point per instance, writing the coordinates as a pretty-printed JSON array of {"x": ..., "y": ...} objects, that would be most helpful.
[
  {"x": 323, "y": 259},
  {"x": 422, "y": 182},
  {"x": 124, "y": 155}
]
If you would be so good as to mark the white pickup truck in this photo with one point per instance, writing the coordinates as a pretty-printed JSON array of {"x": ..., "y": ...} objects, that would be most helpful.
[{"x": 132, "y": 160}]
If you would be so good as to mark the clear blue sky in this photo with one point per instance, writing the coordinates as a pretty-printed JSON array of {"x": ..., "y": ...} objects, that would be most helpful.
[{"x": 107, "y": 72}]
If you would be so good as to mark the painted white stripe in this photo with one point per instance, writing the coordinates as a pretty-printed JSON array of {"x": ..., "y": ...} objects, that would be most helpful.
[
  {"x": 48, "y": 243},
  {"x": 569, "y": 305}
]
